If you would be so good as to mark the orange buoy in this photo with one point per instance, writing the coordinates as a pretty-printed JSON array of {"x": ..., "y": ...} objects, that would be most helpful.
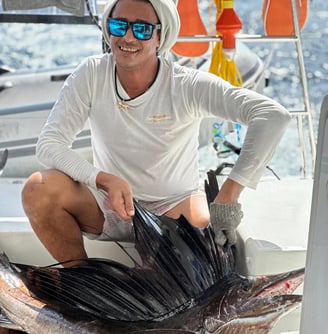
[
  {"x": 228, "y": 24},
  {"x": 191, "y": 25},
  {"x": 223, "y": 52},
  {"x": 277, "y": 16}
]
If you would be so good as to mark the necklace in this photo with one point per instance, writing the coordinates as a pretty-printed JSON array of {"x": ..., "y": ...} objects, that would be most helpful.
[{"x": 122, "y": 103}]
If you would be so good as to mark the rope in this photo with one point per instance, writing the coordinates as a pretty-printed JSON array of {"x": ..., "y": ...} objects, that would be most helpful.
[
  {"x": 94, "y": 19},
  {"x": 220, "y": 64}
]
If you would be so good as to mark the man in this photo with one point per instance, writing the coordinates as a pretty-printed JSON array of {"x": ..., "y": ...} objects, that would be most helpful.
[{"x": 144, "y": 113}]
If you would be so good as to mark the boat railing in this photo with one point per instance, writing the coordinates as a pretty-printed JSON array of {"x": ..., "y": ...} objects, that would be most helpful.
[{"x": 26, "y": 108}]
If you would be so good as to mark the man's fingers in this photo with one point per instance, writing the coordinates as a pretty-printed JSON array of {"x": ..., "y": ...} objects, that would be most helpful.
[
  {"x": 129, "y": 207},
  {"x": 122, "y": 206},
  {"x": 231, "y": 236},
  {"x": 220, "y": 238}
]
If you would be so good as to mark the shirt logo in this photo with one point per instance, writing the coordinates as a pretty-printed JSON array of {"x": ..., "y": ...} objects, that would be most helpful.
[{"x": 158, "y": 118}]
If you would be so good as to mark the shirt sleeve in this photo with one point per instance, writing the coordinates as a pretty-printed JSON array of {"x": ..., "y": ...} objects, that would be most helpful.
[
  {"x": 66, "y": 120},
  {"x": 266, "y": 122}
]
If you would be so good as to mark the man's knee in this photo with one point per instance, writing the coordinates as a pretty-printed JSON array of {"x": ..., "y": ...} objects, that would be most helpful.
[
  {"x": 42, "y": 186},
  {"x": 30, "y": 188},
  {"x": 194, "y": 209}
]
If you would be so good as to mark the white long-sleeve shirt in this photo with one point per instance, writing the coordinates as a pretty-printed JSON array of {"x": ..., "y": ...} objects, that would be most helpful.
[{"x": 154, "y": 143}]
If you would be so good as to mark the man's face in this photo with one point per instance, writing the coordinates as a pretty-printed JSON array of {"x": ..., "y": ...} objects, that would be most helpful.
[{"x": 129, "y": 52}]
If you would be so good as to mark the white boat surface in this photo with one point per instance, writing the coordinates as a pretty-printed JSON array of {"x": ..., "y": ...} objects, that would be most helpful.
[{"x": 273, "y": 236}]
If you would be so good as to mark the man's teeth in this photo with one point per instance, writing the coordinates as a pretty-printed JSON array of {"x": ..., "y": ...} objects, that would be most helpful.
[{"x": 123, "y": 48}]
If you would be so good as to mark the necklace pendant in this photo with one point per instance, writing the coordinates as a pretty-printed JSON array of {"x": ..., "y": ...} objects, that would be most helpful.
[{"x": 122, "y": 105}]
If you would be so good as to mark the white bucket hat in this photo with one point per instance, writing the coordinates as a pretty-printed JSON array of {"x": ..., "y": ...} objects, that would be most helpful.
[{"x": 167, "y": 13}]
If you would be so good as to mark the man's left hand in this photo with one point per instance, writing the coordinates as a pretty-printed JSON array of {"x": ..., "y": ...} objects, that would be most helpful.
[{"x": 225, "y": 219}]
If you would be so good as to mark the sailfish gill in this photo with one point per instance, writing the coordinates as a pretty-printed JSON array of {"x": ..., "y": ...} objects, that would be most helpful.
[{"x": 182, "y": 283}]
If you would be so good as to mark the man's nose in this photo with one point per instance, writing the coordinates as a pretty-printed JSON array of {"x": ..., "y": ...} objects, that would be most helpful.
[{"x": 129, "y": 35}]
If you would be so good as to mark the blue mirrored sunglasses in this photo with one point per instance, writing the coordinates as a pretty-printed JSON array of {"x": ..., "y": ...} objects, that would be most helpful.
[{"x": 140, "y": 30}]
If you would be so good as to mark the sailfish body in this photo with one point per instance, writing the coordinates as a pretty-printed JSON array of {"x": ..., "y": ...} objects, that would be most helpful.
[{"x": 184, "y": 283}]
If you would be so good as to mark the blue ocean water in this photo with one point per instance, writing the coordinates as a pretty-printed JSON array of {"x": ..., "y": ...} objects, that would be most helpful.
[{"x": 33, "y": 46}]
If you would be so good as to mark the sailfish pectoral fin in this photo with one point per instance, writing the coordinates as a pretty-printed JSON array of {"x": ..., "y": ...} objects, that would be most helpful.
[{"x": 259, "y": 316}]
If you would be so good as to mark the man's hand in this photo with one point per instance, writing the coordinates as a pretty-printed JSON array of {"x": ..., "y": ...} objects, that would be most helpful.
[
  {"x": 119, "y": 194},
  {"x": 225, "y": 213},
  {"x": 225, "y": 219}
]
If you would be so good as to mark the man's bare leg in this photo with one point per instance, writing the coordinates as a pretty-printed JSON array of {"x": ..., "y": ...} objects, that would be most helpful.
[
  {"x": 58, "y": 209},
  {"x": 194, "y": 209}
]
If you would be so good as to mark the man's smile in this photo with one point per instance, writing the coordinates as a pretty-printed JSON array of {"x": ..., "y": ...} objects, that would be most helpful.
[{"x": 128, "y": 49}]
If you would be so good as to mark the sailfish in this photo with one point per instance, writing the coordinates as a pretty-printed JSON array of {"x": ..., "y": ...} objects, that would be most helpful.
[{"x": 181, "y": 282}]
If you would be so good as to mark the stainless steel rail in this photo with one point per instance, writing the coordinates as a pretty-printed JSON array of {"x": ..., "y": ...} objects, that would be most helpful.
[{"x": 26, "y": 108}]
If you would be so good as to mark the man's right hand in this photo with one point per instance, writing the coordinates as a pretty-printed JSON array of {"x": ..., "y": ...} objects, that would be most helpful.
[{"x": 119, "y": 194}]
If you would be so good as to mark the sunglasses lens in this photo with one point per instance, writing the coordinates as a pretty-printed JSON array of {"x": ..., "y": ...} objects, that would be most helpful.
[
  {"x": 142, "y": 31},
  {"x": 117, "y": 28}
]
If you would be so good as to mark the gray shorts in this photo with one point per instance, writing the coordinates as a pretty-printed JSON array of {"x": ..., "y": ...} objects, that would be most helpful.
[{"x": 117, "y": 229}]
